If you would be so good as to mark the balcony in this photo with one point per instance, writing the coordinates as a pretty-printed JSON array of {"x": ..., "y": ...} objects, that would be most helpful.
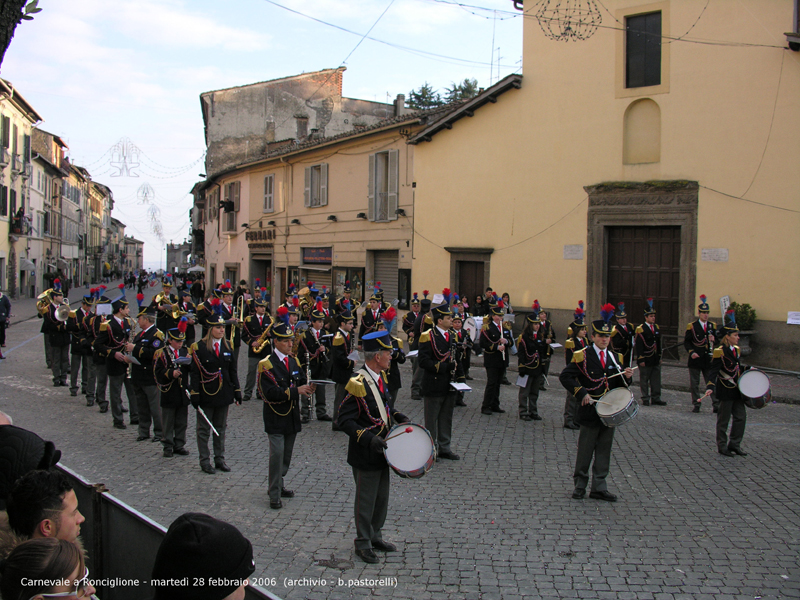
[
  {"x": 16, "y": 164},
  {"x": 4, "y": 158}
]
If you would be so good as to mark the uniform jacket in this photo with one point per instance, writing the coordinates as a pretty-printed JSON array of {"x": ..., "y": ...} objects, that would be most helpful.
[
  {"x": 546, "y": 331},
  {"x": 408, "y": 323},
  {"x": 318, "y": 353},
  {"x": 490, "y": 338},
  {"x": 189, "y": 307},
  {"x": 436, "y": 357},
  {"x": 277, "y": 387},
  {"x": 55, "y": 329},
  {"x": 81, "y": 343},
  {"x": 110, "y": 340},
  {"x": 697, "y": 340},
  {"x": 93, "y": 323},
  {"x": 214, "y": 380},
  {"x": 585, "y": 375},
  {"x": 360, "y": 419},
  {"x": 173, "y": 391},
  {"x": 647, "y": 348},
  {"x": 572, "y": 345},
  {"x": 227, "y": 313},
  {"x": 398, "y": 358},
  {"x": 204, "y": 311},
  {"x": 368, "y": 322},
  {"x": 144, "y": 347},
  {"x": 164, "y": 320},
  {"x": 252, "y": 330},
  {"x": 423, "y": 322},
  {"x": 341, "y": 366},
  {"x": 531, "y": 354},
  {"x": 726, "y": 369},
  {"x": 622, "y": 341},
  {"x": 338, "y": 306}
]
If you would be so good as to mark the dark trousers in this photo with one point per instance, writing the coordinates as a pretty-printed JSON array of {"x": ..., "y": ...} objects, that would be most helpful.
[
  {"x": 3, "y": 324},
  {"x": 47, "y": 357},
  {"x": 391, "y": 397},
  {"x": 101, "y": 383},
  {"x": 728, "y": 408},
  {"x": 59, "y": 363},
  {"x": 337, "y": 401},
  {"x": 529, "y": 396},
  {"x": 218, "y": 415},
  {"x": 439, "y": 419},
  {"x": 650, "y": 384},
  {"x": 115, "y": 383},
  {"x": 372, "y": 503},
  {"x": 280, "y": 458},
  {"x": 132, "y": 404},
  {"x": 593, "y": 441},
  {"x": 84, "y": 364},
  {"x": 174, "y": 420},
  {"x": 570, "y": 410},
  {"x": 252, "y": 368},
  {"x": 148, "y": 400},
  {"x": 694, "y": 386},
  {"x": 491, "y": 394},
  {"x": 416, "y": 380}
]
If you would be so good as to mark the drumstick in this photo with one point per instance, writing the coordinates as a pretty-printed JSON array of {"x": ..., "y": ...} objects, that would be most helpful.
[
  {"x": 406, "y": 430},
  {"x": 622, "y": 372}
]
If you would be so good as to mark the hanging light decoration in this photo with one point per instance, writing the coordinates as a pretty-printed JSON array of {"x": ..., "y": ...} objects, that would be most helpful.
[{"x": 568, "y": 19}]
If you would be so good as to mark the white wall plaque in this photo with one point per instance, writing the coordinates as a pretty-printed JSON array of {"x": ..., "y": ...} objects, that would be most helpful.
[
  {"x": 714, "y": 254},
  {"x": 573, "y": 252}
]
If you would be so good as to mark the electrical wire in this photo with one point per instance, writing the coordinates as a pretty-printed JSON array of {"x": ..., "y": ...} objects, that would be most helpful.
[{"x": 750, "y": 201}]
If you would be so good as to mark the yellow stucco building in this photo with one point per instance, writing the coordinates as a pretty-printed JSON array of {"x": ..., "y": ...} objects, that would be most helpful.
[{"x": 658, "y": 161}]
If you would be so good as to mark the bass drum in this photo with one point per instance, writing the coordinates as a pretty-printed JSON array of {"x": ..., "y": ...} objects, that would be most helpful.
[
  {"x": 411, "y": 454},
  {"x": 473, "y": 327},
  {"x": 755, "y": 388}
]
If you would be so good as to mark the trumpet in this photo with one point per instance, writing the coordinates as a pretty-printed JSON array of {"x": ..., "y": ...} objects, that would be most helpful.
[{"x": 238, "y": 311}]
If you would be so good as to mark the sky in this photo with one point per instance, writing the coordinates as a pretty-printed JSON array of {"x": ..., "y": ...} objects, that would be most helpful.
[{"x": 109, "y": 72}]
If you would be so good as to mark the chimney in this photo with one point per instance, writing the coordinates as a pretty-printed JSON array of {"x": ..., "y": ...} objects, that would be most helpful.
[{"x": 400, "y": 105}]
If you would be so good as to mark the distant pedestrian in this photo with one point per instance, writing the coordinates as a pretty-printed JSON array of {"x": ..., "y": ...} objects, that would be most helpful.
[{"x": 5, "y": 317}]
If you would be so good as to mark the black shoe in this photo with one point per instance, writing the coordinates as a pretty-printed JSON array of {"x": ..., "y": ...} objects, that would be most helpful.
[
  {"x": 571, "y": 426},
  {"x": 181, "y": 451},
  {"x": 246, "y": 399},
  {"x": 460, "y": 403},
  {"x": 156, "y": 439},
  {"x": 696, "y": 408},
  {"x": 645, "y": 402},
  {"x": 468, "y": 378},
  {"x": 578, "y": 493},
  {"x": 304, "y": 420},
  {"x": 168, "y": 453},
  {"x": 286, "y": 493},
  {"x": 498, "y": 410},
  {"x": 104, "y": 409},
  {"x": 486, "y": 412},
  {"x": 325, "y": 418},
  {"x": 134, "y": 421},
  {"x": 542, "y": 388},
  {"x": 56, "y": 384},
  {"x": 383, "y": 546},
  {"x": 208, "y": 469},
  {"x": 659, "y": 403},
  {"x": 505, "y": 382},
  {"x": 124, "y": 409},
  {"x": 142, "y": 438},
  {"x": 525, "y": 418},
  {"x": 73, "y": 393},
  {"x": 716, "y": 410},
  {"x": 413, "y": 398},
  {"x": 368, "y": 556},
  {"x": 90, "y": 403},
  {"x": 536, "y": 417},
  {"x": 275, "y": 504},
  {"x": 449, "y": 455},
  {"x": 334, "y": 427},
  {"x": 220, "y": 464},
  {"x": 738, "y": 451},
  {"x": 726, "y": 452},
  {"x": 118, "y": 425},
  {"x": 607, "y": 496}
]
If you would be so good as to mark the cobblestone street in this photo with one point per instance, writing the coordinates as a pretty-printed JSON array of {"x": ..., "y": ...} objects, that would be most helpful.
[{"x": 499, "y": 523}]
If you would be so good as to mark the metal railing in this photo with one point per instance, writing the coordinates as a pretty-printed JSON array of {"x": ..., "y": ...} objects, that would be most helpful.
[{"x": 121, "y": 544}]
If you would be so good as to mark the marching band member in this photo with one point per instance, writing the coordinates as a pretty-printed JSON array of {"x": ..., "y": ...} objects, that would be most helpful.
[
  {"x": 113, "y": 341},
  {"x": 371, "y": 316},
  {"x": 388, "y": 318},
  {"x": 422, "y": 323},
  {"x": 81, "y": 350},
  {"x": 576, "y": 340},
  {"x": 723, "y": 380},
  {"x": 647, "y": 350},
  {"x": 464, "y": 342},
  {"x": 531, "y": 350},
  {"x": 341, "y": 366},
  {"x": 699, "y": 343},
  {"x": 314, "y": 357},
  {"x": 258, "y": 344},
  {"x": 588, "y": 377},
  {"x": 622, "y": 335},
  {"x": 188, "y": 310},
  {"x": 496, "y": 341},
  {"x": 172, "y": 379},
  {"x": 58, "y": 336},
  {"x": 145, "y": 344},
  {"x": 281, "y": 382},
  {"x": 344, "y": 303},
  {"x": 98, "y": 354},
  {"x": 206, "y": 310},
  {"x": 227, "y": 310},
  {"x": 214, "y": 387},
  {"x": 548, "y": 333},
  {"x": 163, "y": 307},
  {"x": 366, "y": 418}
]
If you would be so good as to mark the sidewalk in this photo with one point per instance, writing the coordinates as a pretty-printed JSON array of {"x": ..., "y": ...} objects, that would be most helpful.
[{"x": 24, "y": 309}]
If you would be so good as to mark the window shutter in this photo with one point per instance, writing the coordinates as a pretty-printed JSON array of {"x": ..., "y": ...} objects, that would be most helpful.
[
  {"x": 269, "y": 185},
  {"x": 371, "y": 188},
  {"x": 394, "y": 175},
  {"x": 27, "y": 149},
  {"x": 6, "y": 131},
  {"x": 323, "y": 184},
  {"x": 307, "y": 192},
  {"x": 236, "y": 188}
]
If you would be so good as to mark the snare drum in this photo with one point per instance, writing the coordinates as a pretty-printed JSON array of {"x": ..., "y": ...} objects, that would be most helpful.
[
  {"x": 472, "y": 327},
  {"x": 617, "y": 407},
  {"x": 755, "y": 388},
  {"x": 410, "y": 455}
]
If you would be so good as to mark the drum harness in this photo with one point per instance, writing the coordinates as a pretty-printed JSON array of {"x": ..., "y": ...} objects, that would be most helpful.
[{"x": 602, "y": 381}]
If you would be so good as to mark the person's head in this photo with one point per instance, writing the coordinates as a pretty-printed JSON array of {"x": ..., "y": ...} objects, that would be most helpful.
[
  {"x": 650, "y": 319},
  {"x": 580, "y": 332},
  {"x": 43, "y": 504},
  {"x": 703, "y": 316},
  {"x": 600, "y": 340},
  {"x": 458, "y": 322},
  {"x": 622, "y": 321},
  {"x": 293, "y": 317},
  {"x": 58, "y": 296},
  {"x": 145, "y": 321},
  {"x": 506, "y": 298},
  {"x": 731, "y": 338},
  {"x": 325, "y": 301},
  {"x": 261, "y": 309},
  {"x": 542, "y": 316},
  {"x": 175, "y": 344},
  {"x": 345, "y": 319},
  {"x": 478, "y": 299},
  {"x": 317, "y": 323},
  {"x": 374, "y": 304},
  {"x": 377, "y": 350},
  {"x": 200, "y": 548},
  {"x": 227, "y": 297},
  {"x": 34, "y": 566},
  {"x": 217, "y": 332}
]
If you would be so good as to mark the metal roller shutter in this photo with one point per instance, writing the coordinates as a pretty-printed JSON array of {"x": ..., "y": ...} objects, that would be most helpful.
[
  {"x": 319, "y": 278},
  {"x": 386, "y": 262}
]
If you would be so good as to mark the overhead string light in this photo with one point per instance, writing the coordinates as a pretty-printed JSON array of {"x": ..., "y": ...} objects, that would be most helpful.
[{"x": 568, "y": 20}]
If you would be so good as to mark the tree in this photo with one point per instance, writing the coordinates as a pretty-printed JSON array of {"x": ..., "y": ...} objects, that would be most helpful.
[
  {"x": 11, "y": 15},
  {"x": 423, "y": 98},
  {"x": 462, "y": 91}
]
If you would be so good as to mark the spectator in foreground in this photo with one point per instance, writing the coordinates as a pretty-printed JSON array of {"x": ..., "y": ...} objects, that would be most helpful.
[
  {"x": 21, "y": 451},
  {"x": 43, "y": 504}
]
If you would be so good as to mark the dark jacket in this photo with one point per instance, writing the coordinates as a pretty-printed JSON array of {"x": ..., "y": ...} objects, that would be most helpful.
[
  {"x": 252, "y": 331},
  {"x": 164, "y": 320},
  {"x": 360, "y": 419},
  {"x": 191, "y": 309},
  {"x": 81, "y": 343},
  {"x": 368, "y": 323},
  {"x": 110, "y": 340},
  {"x": 55, "y": 330},
  {"x": 572, "y": 345},
  {"x": 531, "y": 352},
  {"x": 546, "y": 331},
  {"x": 342, "y": 367},
  {"x": 438, "y": 358},
  {"x": 398, "y": 358},
  {"x": 316, "y": 352},
  {"x": 622, "y": 341},
  {"x": 214, "y": 380},
  {"x": 277, "y": 387},
  {"x": 490, "y": 338},
  {"x": 173, "y": 391},
  {"x": 423, "y": 322},
  {"x": 5, "y": 308},
  {"x": 726, "y": 369},
  {"x": 647, "y": 349},
  {"x": 577, "y": 378},
  {"x": 144, "y": 347},
  {"x": 697, "y": 340}
]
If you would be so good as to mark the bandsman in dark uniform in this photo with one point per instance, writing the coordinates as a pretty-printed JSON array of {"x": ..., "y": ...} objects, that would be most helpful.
[
  {"x": 98, "y": 355},
  {"x": 330, "y": 325},
  {"x": 164, "y": 304},
  {"x": 81, "y": 350},
  {"x": 187, "y": 309},
  {"x": 576, "y": 340},
  {"x": 547, "y": 333},
  {"x": 699, "y": 343},
  {"x": 370, "y": 317},
  {"x": 388, "y": 318},
  {"x": 214, "y": 387},
  {"x": 145, "y": 344},
  {"x": 232, "y": 320},
  {"x": 439, "y": 361},
  {"x": 496, "y": 342},
  {"x": 58, "y": 336},
  {"x": 622, "y": 336},
  {"x": 366, "y": 418},
  {"x": 647, "y": 351},
  {"x": 588, "y": 377},
  {"x": 344, "y": 303},
  {"x": 422, "y": 323},
  {"x": 531, "y": 350},
  {"x": 408, "y": 328},
  {"x": 207, "y": 310},
  {"x": 281, "y": 383},
  {"x": 464, "y": 342},
  {"x": 314, "y": 356},
  {"x": 289, "y": 296},
  {"x": 723, "y": 381},
  {"x": 341, "y": 365},
  {"x": 171, "y": 372},
  {"x": 255, "y": 335},
  {"x": 113, "y": 341}
]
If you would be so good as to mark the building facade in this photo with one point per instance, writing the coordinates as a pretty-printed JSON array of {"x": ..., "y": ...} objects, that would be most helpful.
[
  {"x": 178, "y": 257},
  {"x": 133, "y": 254}
]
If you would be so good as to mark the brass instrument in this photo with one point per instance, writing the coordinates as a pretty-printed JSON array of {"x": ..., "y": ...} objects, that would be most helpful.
[
  {"x": 263, "y": 340},
  {"x": 299, "y": 331},
  {"x": 306, "y": 302},
  {"x": 238, "y": 311},
  {"x": 62, "y": 312}
]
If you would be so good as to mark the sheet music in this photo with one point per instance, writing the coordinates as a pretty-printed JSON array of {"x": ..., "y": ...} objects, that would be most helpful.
[
  {"x": 460, "y": 387},
  {"x": 522, "y": 381},
  {"x": 555, "y": 345},
  {"x": 412, "y": 354},
  {"x": 353, "y": 356}
]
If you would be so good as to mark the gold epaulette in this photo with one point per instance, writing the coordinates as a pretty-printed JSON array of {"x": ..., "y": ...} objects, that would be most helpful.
[
  {"x": 689, "y": 326},
  {"x": 507, "y": 326},
  {"x": 737, "y": 350},
  {"x": 73, "y": 314},
  {"x": 519, "y": 340},
  {"x": 712, "y": 325},
  {"x": 620, "y": 357},
  {"x": 158, "y": 353},
  {"x": 717, "y": 353},
  {"x": 338, "y": 340},
  {"x": 248, "y": 319},
  {"x": 656, "y": 326},
  {"x": 103, "y": 326},
  {"x": 385, "y": 377},
  {"x": 569, "y": 344},
  {"x": 485, "y": 326},
  {"x": 569, "y": 332},
  {"x": 399, "y": 342},
  {"x": 160, "y": 335},
  {"x": 578, "y": 356},
  {"x": 193, "y": 348},
  {"x": 264, "y": 365},
  {"x": 425, "y": 337},
  {"x": 614, "y": 332},
  {"x": 639, "y": 330},
  {"x": 427, "y": 319},
  {"x": 202, "y": 307},
  {"x": 356, "y": 387}
]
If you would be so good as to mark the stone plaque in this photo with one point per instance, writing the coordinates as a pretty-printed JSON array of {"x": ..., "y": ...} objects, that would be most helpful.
[
  {"x": 714, "y": 254},
  {"x": 573, "y": 252}
]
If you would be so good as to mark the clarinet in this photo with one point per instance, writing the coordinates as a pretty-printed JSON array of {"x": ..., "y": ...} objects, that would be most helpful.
[
  {"x": 453, "y": 357},
  {"x": 308, "y": 382}
]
